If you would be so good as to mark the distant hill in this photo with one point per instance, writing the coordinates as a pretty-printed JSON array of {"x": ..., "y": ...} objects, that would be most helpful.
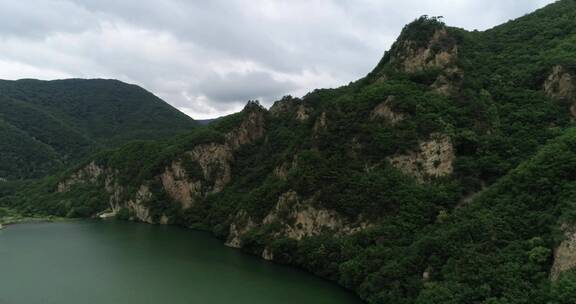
[
  {"x": 205, "y": 122},
  {"x": 47, "y": 124}
]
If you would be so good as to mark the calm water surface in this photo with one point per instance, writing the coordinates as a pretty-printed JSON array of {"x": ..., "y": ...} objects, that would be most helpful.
[{"x": 89, "y": 262}]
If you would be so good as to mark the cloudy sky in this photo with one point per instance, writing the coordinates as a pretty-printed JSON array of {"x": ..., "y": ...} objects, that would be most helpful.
[{"x": 207, "y": 57}]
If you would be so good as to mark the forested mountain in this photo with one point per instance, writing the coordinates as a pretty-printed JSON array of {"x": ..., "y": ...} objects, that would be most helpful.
[
  {"x": 446, "y": 175},
  {"x": 45, "y": 125}
]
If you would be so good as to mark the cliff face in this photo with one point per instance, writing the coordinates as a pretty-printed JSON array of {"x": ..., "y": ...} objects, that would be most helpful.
[
  {"x": 433, "y": 158},
  {"x": 561, "y": 85},
  {"x": 295, "y": 218},
  {"x": 438, "y": 52},
  {"x": 565, "y": 254},
  {"x": 183, "y": 185}
]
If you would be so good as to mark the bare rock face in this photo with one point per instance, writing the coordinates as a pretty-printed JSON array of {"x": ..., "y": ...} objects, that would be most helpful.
[
  {"x": 436, "y": 54},
  {"x": 88, "y": 174},
  {"x": 561, "y": 85},
  {"x": 298, "y": 219},
  {"x": 301, "y": 219},
  {"x": 565, "y": 254},
  {"x": 384, "y": 111},
  {"x": 321, "y": 123},
  {"x": 251, "y": 128},
  {"x": 214, "y": 160},
  {"x": 136, "y": 204},
  {"x": 291, "y": 106},
  {"x": 434, "y": 158},
  {"x": 302, "y": 113},
  {"x": 241, "y": 226},
  {"x": 281, "y": 171},
  {"x": 267, "y": 254},
  {"x": 448, "y": 82},
  {"x": 178, "y": 186}
]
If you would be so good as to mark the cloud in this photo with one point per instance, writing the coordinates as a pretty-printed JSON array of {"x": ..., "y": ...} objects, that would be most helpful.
[
  {"x": 239, "y": 86},
  {"x": 208, "y": 57}
]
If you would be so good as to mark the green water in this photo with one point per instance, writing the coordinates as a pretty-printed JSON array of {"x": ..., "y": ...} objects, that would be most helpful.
[{"x": 89, "y": 262}]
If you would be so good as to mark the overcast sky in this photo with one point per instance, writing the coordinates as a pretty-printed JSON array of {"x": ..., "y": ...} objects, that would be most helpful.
[{"x": 208, "y": 57}]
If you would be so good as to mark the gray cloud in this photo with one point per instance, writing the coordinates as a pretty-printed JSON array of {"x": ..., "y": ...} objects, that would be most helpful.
[
  {"x": 208, "y": 57},
  {"x": 236, "y": 86}
]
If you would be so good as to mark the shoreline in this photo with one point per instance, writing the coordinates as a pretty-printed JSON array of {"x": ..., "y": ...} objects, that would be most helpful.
[{"x": 9, "y": 221}]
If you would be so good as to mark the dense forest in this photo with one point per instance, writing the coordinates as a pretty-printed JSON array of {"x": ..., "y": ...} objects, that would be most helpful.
[
  {"x": 446, "y": 175},
  {"x": 48, "y": 125}
]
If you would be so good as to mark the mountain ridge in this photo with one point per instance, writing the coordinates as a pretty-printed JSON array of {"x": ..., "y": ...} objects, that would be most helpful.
[
  {"x": 73, "y": 118},
  {"x": 446, "y": 175}
]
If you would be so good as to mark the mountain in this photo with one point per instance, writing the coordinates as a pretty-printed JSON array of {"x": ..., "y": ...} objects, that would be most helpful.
[
  {"x": 45, "y": 125},
  {"x": 446, "y": 175}
]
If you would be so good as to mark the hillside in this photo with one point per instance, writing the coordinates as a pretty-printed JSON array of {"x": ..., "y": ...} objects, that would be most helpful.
[
  {"x": 446, "y": 175},
  {"x": 49, "y": 124}
]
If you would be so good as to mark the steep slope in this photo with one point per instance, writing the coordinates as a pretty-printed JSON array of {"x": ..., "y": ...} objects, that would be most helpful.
[
  {"x": 444, "y": 176},
  {"x": 57, "y": 122}
]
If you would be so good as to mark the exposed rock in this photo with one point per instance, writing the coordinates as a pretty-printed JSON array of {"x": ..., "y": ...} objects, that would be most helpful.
[
  {"x": 164, "y": 220},
  {"x": 302, "y": 113},
  {"x": 434, "y": 158},
  {"x": 267, "y": 254},
  {"x": 282, "y": 171},
  {"x": 291, "y": 106},
  {"x": 565, "y": 254},
  {"x": 176, "y": 184},
  {"x": 426, "y": 274},
  {"x": 251, "y": 128},
  {"x": 321, "y": 123},
  {"x": 107, "y": 214},
  {"x": 137, "y": 207},
  {"x": 215, "y": 161},
  {"x": 283, "y": 106},
  {"x": 302, "y": 219},
  {"x": 384, "y": 111},
  {"x": 88, "y": 174},
  {"x": 448, "y": 82},
  {"x": 436, "y": 54},
  {"x": 241, "y": 226},
  {"x": 561, "y": 85}
]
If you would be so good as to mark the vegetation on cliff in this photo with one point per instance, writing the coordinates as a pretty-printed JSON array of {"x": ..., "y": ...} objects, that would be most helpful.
[{"x": 446, "y": 175}]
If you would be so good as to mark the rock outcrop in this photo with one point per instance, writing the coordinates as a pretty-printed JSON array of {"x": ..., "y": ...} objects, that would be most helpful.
[
  {"x": 294, "y": 107},
  {"x": 440, "y": 52},
  {"x": 301, "y": 219},
  {"x": 321, "y": 123},
  {"x": 251, "y": 128},
  {"x": 565, "y": 254},
  {"x": 213, "y": 159},
  {"x": 88, "y": 174},
  {"x": 241, "y": 225},
  {"x": 297, "y": 219},
  {"x": 561, "y": 85},
  {"x": 385, "y": 112},
  {"x": 433, "y": 158}
]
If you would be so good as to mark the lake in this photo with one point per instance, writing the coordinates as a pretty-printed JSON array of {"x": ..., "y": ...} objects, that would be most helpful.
[{"x": 92, "y": 262}]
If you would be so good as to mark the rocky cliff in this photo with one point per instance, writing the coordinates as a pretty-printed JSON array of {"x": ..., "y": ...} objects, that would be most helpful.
[
  {"x": 443, "y": 176},
  {"x": 203, "y": 170}
]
